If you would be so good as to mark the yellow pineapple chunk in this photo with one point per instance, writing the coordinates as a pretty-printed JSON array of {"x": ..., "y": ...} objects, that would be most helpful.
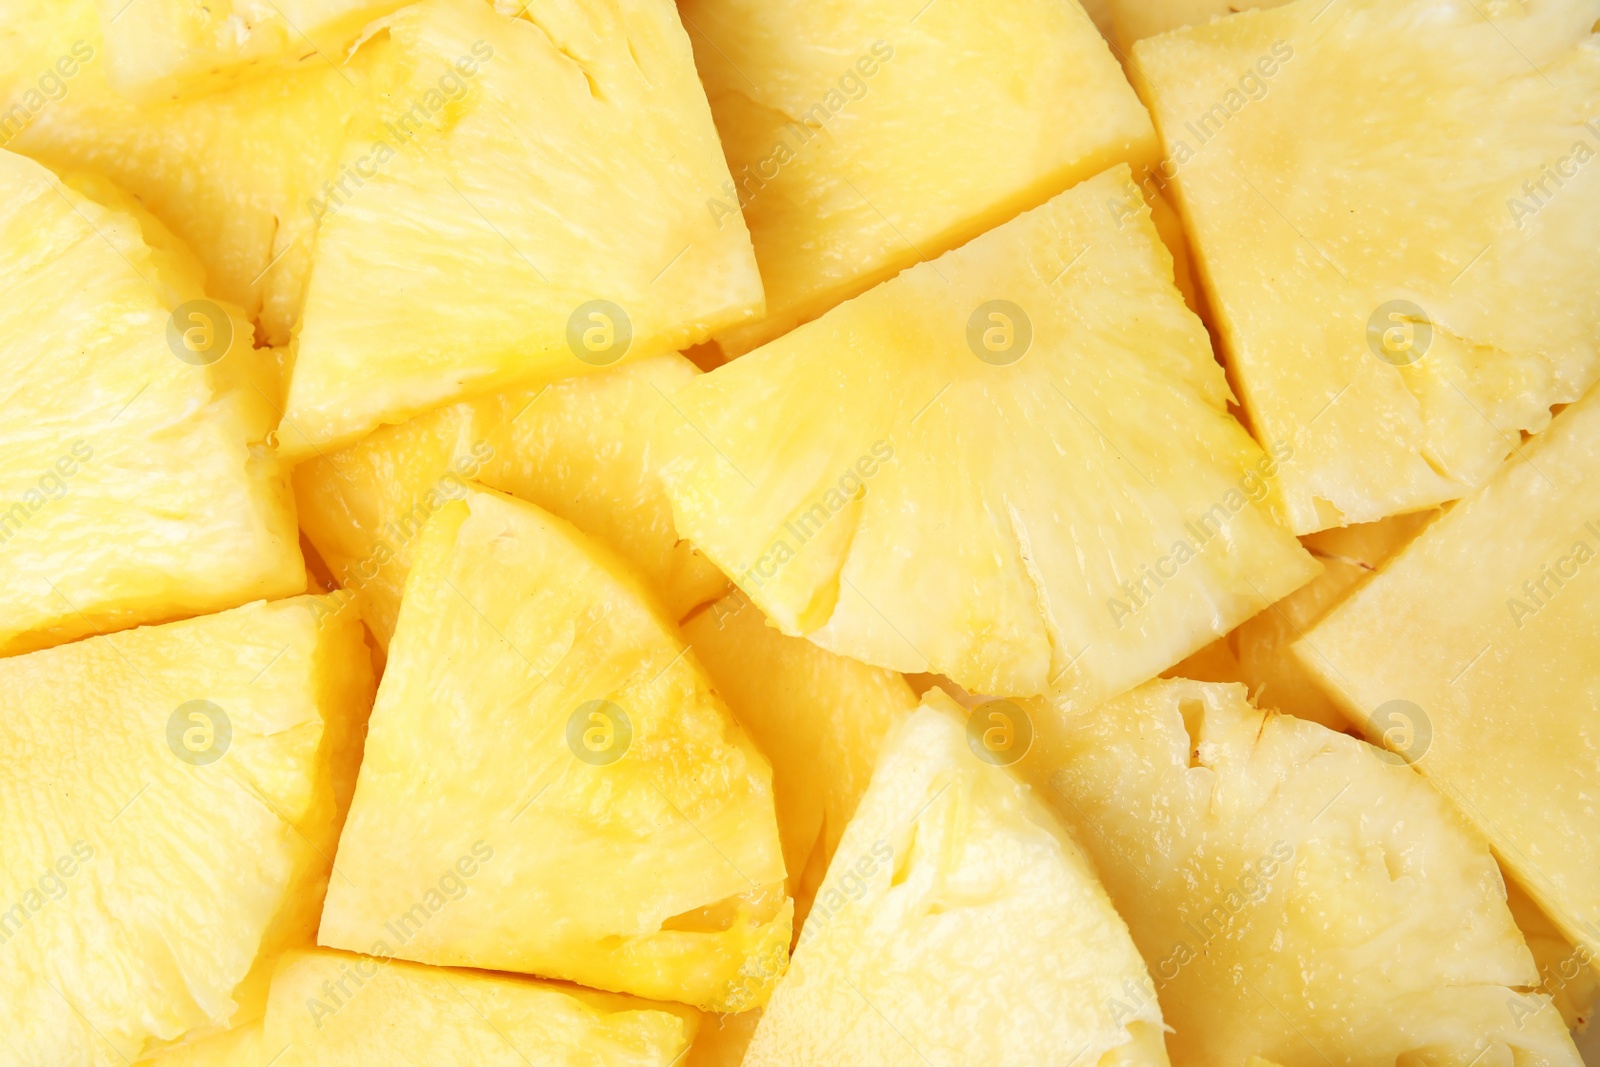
[
  {"x": 239, "y": 1047},
  {"x": 538, "y": 219},
  {"x": 819, "y": 717},
  {"x": 136, "y": 483},
  {"x": 1566, "y": 971},
  {"x": 1013, "y": 466},
  {"x": 1473, "y": 656},
  {"x": 863, "y": 139},
  {"x": 1298, "y": 895},
  {"x": 723, "y": 1040},
  {"x": 551, "y": 786},
  {"x": 1133, "y": 20},
  {"x": 159, "y": 49},
  {"x": 958, "y": 924},
  {"x": 580, "y": 448},
  {"x": 332, "y": 1009},
  {"x": 171, "y": 798},
  {"x": 1406, "y": 284}
]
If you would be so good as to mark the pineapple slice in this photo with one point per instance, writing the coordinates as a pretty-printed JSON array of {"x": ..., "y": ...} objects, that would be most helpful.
[
  {"x": 239, "y": 1047},
  {"x": 1473, "y": 655},
  {"x": 958, "y": 924},
  {"x": 171, "y": 796},
  {"x": 332, "y": 1009},
  {"x": 723, "y": 1040},
  {"x": 579, "y": 448},
  {"x": 546, "y": 755},
  {"x": 537, "y": 219},
  {"x": 1395, "y": 320},
  {"x": 163, "y": 49},
  {"x": 866, "y": 137},
  {"x": 1044, "y": 516},
  {"x": 1297, "y": 896},
  {"x": 1134, "y": 20},
  {"x": 136, "y": 486},
  {"x": 1566, "y": 971},
  {"x": 820, "y": 718}
]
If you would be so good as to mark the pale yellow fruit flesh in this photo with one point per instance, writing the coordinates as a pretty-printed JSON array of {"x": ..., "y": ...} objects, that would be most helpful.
[
  {"x": 863, "y": 140},
  {"x": 580, "y": 448},
  {"x": 1298, "y": 894},
  {"x": 1134, "y": 20},
  {"x": 958, "y": 923},
  {"x": 136, "y": 487},
  {"x": 140, "y": 889},
  {"x": 239, "y": 1047},
  {"x": 1567, "y": 974},
  {"x": 873, "y": 484},
  {"x": 1309, "y": 233},
  {"x": 519, "y": 170},
  {"x": 658, "y": 873},
  {"x": 1486, "y": 627}
]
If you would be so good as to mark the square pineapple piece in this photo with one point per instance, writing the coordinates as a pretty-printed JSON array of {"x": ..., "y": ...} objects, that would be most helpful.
[
  {"x": 1013, "y": 465},
  {"x": 543, "y": 733},
  {"x": 171, "y": 795},
  {"x": 136, "y": 484},
  {"x": 1476, "y": 653},
  {"x": 867, "y": 136},
  {"x": 1396, "y": 208}
]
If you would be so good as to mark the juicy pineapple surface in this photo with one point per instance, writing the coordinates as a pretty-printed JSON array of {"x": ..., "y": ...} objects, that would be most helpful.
[
  {"x": 239, "y": 1047},
  {"x": 820, "y": 719},
  {"x": 958, "y": 924},
  {"x": 333, "y": 1009},
  {"x": 1473, "y": 654},
  {"x": 527, "y": 203},
  {"x": 1133, "y": 20},
  {"x": 135, "y": 486},
  {"x": 1297, "y": 895},
  {"x": 1566, "y": 973},
  {"x": 550, "y": 786},
  {"x": 1073, "y": 510},
  {"x": 1395, "y": 318},
  {"x": 866, "y": 136},
  {"x": 155, "y": 848},
  {"x": 579, "y": 448}
]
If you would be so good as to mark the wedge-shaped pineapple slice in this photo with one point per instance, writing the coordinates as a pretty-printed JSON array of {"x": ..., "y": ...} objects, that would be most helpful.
[
  {"x": 1566, "y": 972},
  {"x": 171, "y": 795},
  {"x": 863, "y": 139},
  {"x": 1012, "y": 466},
  {"x": 331, "y": 1009},
  {"x": 1473, "y": 655},
  {"x": 1395, "y": 319},
  {"x": 579, "y": 448},
  {"x": 136, "y": 485},
  {"x": 958, "y": 924},
  {"x": 819, "y": 717},
  {"x": 544, "y": 219},
  {"x": 1134, "y": 20},
  {"x": 239, "y": 1047},
  {"x": 540, "y": 722},
  {"x": 163, "y": 49},
  {"x": 1297, "y": 894}
]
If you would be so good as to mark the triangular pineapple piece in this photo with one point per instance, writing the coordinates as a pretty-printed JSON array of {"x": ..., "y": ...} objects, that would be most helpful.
[
  {"x": 1013, "y": 466},
  {"x": 1473, "y": 655},
  {"x": 239, "y": 1047},
  {"x": 1297, "y": 894},
  {"x": 819, "y": 717},
  {"x": 958, "y": 924},
  {"x": 538, "y": 218},
  {"x": 135, "y": 485},
  {"x": 333, "y": 1009},
  {"x": 541, "y": 724},
  {"x": 580, "y": 448},
  {"x": 1566, "y": 972},
  {"x": 1405, "y": 285},
  {"x": 171, "y": 797},
  {"x": 861, "y": 144}
]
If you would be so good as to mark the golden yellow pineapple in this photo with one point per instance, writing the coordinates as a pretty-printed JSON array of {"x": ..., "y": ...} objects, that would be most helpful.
[
  {"x": 723, "y": 1039},
  {"x": 958, "y": 924},
  {"x": 580, "y": 448},
  {"x": 239, "y": 1047},
  {"x": 1474, "y": 655},
  {"x": 332, "y": 1009},
  {"x": 172, "y": 794},
  {"x": 819, "y": 717},
  {"x": 544, "y": 742},
  {"x": 1013, "y": 466},
  {"x": 1567, "y": 974},
  {"x": 1133, "y": 20},
  {"x": 526, "y": 204},
  {"x": 137, "y": 485},
  {"x": 1297, "y": 894},
  {"x": 1404, "y": 285},
  {"x": 864, "y": 137}
]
